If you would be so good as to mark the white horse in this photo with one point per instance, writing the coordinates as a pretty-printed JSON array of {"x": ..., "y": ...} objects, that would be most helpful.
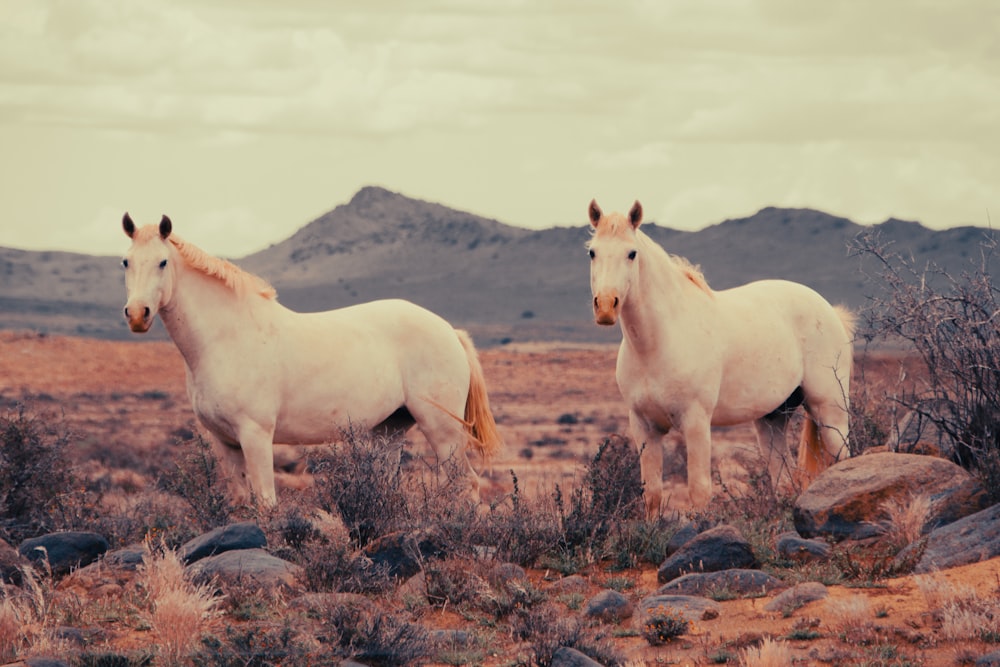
[
  {"x": 692, "y": 357},
  {"x": 259, "y": 373}
]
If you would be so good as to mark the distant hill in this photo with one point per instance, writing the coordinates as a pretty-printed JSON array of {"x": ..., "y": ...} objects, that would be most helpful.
[{"x": 501, "y": 282}]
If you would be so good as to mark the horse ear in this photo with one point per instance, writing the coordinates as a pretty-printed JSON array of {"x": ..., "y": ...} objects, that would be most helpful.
[
  {"x": 635, "y": 215},
  {"x": 128, "y": 225},
  {"x": 165, "y": 227},
  {"x": 595, "y": 212}
]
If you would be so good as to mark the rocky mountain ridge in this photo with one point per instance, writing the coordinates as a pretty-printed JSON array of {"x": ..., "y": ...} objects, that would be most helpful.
[{"x": 502, "y": 282}]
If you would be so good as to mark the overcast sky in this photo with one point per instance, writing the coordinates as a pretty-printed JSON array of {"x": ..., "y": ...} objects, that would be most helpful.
[{"x": 245, "y": 119}]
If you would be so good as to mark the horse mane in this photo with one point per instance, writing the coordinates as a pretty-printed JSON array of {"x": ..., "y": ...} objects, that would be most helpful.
[
  {"x": 231, "y": 275},
  {"x": 692, "y": 272}
]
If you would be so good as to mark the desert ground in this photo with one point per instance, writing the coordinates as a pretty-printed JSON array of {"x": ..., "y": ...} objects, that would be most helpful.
[{"x": 554, "y": 404}]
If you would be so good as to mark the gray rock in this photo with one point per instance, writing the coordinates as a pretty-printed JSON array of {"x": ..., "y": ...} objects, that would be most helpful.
[
  {"x": 845, "y": 500},
  {"x": 737, "y": 582},
  {"x": 608, "y": 606},
  {"x": 401, "y": 553},
  {"x": 684, "y": 534},
  {"x": 254, "y": 566},
  {"x": 501, "y": 573},
  {"x": 233, "y": 537},
  {"x": 565, "y": 656},
  {"x": 64, "y": 551},
  {"x": 689, "y": 607},
  {"x": 793, "y": 547},
  {"x": 126, "y": 558},
  {"x": 970, "y": 540},
  {"x": 989, "y": 660},
  {"x": 720, "y": 548},
  {"x": 796, "y": 597}
]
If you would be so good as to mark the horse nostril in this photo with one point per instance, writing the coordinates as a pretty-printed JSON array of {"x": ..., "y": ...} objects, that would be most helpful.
[
  {"x": 595, "y": 303},
  {"x": 615, "y": 306},
  {"x": 126, "y": 311},
  {"x": 146, "y": 311}
]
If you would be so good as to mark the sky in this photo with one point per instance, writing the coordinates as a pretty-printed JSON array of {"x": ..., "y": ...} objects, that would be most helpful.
[{"x": 243, "y": 120}]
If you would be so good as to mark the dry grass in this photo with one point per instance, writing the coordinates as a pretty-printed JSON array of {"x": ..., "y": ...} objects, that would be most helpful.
[
  {"x": 905, "y": 518},
  {"x": 770, "y": 653},
  {"x": 177, "y": 609},
  {"x": 850, "y": 614}
]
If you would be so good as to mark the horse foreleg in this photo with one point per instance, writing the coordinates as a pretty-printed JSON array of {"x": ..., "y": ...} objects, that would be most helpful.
[
  {"x": 257, "y": 443},
  {"x": 649, "y": 442},
  {"x": 697, "y": 431}
]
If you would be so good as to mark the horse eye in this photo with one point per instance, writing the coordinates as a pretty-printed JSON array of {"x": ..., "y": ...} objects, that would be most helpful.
[
  {"x": 125, "y": 263},
  {"x": 163, "y": 264},
  {"x": 631, "y": 255},
  {"x": 591, "y": 252}
]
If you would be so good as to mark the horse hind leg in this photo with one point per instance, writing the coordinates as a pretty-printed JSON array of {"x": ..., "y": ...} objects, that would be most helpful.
[
  {"x": 445, "y": 432},
  {"x": 773, "y": 446}
]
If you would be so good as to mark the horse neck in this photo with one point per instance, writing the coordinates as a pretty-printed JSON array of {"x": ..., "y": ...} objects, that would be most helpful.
[
  {"x": 659, "y": 302},
  {"x": 201, "y": 314}
]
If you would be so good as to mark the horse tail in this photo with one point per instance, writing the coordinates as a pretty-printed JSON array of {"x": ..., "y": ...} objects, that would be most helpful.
[
  {"x": 848, "y": 319},
  {"x": 479, "y": 422},
  {"x": 812, "y": 456}
]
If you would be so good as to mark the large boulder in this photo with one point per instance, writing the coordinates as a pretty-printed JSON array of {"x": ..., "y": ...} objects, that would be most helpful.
[
  {"x": 719, "y": 548},
  {"x": 255, "y": 567},
  {"x": 64, "y": 551},
  {"x": 845, "y": 501},
  {"x": 971, "y": 539},
  {"x": 233, "y": 537},
  {"x": 724, "y": 583}
]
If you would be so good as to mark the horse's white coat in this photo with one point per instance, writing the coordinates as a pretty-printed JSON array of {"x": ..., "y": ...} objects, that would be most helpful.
[
  {"x": 692, "y": 357},
  {"x": 259, "y": 373}
]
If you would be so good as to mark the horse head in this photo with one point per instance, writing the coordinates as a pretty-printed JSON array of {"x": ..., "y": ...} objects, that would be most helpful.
[
  {"x": 613, "y": 250},
  {"x": 148, "y": 276}
]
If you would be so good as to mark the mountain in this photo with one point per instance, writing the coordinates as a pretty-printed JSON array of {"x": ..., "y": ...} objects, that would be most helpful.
[{"x": 502, "y": 282}]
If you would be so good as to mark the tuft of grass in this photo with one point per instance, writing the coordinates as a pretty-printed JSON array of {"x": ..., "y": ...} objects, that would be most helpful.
[
  {"x": 177, "y": 609},
  {"x": 770, "y": 653}
]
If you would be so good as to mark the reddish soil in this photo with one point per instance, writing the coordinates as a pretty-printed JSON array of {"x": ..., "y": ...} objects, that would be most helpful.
[{"x": 118, "y": 397}]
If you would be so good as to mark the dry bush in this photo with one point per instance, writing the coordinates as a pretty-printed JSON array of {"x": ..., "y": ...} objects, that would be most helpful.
[
  {"x": 520, "y": 529},
  {"x": 26, "y": 618},
  {"x": 770, "y": 653},
  {"x": 198, "y": 478},
  {"x": 38, "y": 486},
  {"x": 546, "y": 629},
  {"x": 361, "y": 479},
  {"x": 953, "y": 325}
]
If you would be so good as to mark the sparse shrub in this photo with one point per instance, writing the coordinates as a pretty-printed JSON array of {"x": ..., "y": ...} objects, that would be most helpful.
[
  {"x": 38, "y": 487},
  {"x": 374, "y": 637},
  {"x": 360, "y": 478},
  {"x": 850, "y": 616},
  {"x": 663, "y": 625},
  {"x": 453, "y": 582},
  {"x": 260, "y": 647},
  {"x": 953, "y": 324},
  {"x": 521, "y": 529},
  {"x": 610, "y": 497},
  {"x": 546, "y": 629},
  {"x": 198, "y": 478}
]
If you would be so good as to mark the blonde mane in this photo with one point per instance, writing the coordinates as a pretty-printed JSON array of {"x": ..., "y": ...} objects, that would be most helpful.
[
  {"x": 231, "y": 275},
  {"x": 692, "y": 272}
]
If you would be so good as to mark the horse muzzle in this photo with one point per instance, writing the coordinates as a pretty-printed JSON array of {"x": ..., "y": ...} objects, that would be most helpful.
[
  {"x": 606, "y": 309},
  {"x": 139, "y": 318}
]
